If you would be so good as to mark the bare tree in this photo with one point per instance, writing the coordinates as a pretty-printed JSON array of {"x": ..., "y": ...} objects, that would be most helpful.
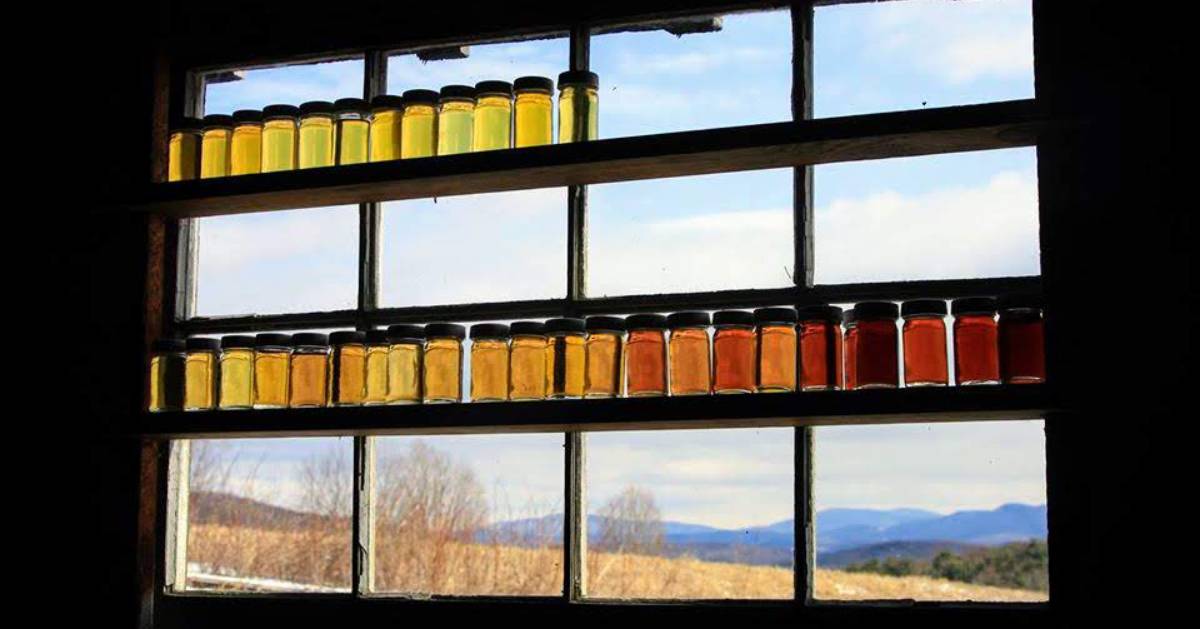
[
  {"x": 630, "y": 522},
  {"x": 327, "y": 483},
  {"x": 422, "y": 490}
]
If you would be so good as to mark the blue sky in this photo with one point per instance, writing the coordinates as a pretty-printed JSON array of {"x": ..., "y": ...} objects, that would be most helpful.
[{"x": 963, "y": 215}]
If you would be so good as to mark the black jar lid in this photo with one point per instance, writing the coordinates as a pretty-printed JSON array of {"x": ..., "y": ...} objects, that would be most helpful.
[
  {"x": 310, "y": 338},
  {"x": 489, "y": 331},
  {"x": 604, "y": 323},
  {"x": 377, "y": 337},
  {"x": 243, "y": 116},
  {"x": 452, "y": 330},
  {"x": 316, "y": 107},
  {"x": 237, "y": 341},
  {"x": 645, "y": 321},
  {"x": 534, "y": 328},
  {"x": 409, "y": 331},
  {"x": 218, "y": 120},
  {"x": 420, "y": 97},
  {"x": 457, "y": 92},
  {"x": 565, "y": 324},
  {"x": 534, "y": 83},
  {"x": 168, "y": 345},
  {"x": 876, "y": 310},
  {"x": 343, "y": 337},
  {"x": 733, "y": 317},
  {"x": 923, "y": 307},
  {"x": 343, "y": 105},
  {"x": 1019, "y": 302},
  {"x": 688, "y": 319},
  {"x": 203, "y": 343},
  {"x": 387, "y": 101},
  {"x": 187, "y": 124},
  {"x": 276, "y": 111},
  {"x": 578, "y": 77},
  {"x": 272, "y": 338},
  {"x": 820, "y": 312},
  {"x": 973, "y": 305},
  {"x": 497, "y": 88},
  {"x": 781, "y": 314},
  {"x": 849, "y": 318}
]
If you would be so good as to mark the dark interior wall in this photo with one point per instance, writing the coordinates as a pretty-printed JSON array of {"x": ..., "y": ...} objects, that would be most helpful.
[{"x": 1120, "y": 238}]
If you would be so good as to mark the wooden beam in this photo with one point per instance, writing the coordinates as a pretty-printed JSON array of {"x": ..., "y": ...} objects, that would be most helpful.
[{"x": 709, "y": 151}]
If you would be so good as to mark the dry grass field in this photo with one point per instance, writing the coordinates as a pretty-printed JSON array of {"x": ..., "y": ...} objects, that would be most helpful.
[{"x": 320, "y": 556}]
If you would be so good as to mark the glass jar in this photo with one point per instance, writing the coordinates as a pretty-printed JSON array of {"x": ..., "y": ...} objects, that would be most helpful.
[
  {"x": 215, "y": 146},
  {"x": 776, "y": 350},
  {"x": 237, "y": 372},
  {"x": 925, "y": 363},
  {"x": 527, "y": 361},
  {"x": 200, "y": 374},
  {"x": 418, "y": 124},
  {"x": 351, "y": 131},
  {"x": 279, "y": 143},
  {"x": 603, "y": 356},
  {"x": 876, "y": 350},
  {"x": 578, "y": 106},
  {"x": 456, "y": 119},
  {"x": 309, "y": 379},
  {"x": 384, "y": 139},
  {"x": 349, "y": 380},
  {"x": 534, "y": 111},
  {"x": 850, "y": 364},
  {"x": 646, "y": 355},
  {"x": 406, "y": 350},
  {"x": 245, "y": 147},
  {"x": 272, "y": 369},
  {"x": 735, "y": 355},
  {"x": 167, "y": 358},
  {"x": 820, "y": 347},
  {"x": 1022, "y": 341},
  {"x": 318, "y": 139},
  {"x": 441, "y": 372},
  {"x": 976, "y": 346},
  {"x": 493, "y": 116},
  {"x": 183, "y": 150},
  {"x": 378, "y": 348},
  {"x": 489, "y": 362},
  {"x": 690, "y": 366},
  {"x": 565, "y": 339}
]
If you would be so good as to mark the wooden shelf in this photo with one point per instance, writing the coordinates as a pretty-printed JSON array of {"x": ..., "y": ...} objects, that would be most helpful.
[
  {"x": 776, "y": 145},
  {"x": 717, "y": 411}
]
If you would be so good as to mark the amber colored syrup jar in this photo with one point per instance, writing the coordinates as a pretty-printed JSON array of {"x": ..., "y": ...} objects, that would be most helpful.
[
  {"x": 976, "y": 343},
  {"x": 1022, "y": 341},
  {"x": 924, "y": 337},
  {"x": 820, "y": 340},
  {"x": 877, "y": 346},
  {"x": 735, "y": 352}
]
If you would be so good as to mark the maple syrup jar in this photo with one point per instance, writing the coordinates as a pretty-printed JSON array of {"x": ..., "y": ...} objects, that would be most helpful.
[
  {"x": 776, "y": 349},
  {"x": 200, "y": 374},
  {"x": 735, "y": 354},
  {"x": 167, "y": 357},
  {"x": 691, "y": 371},
  {"x": 441, "y": 364},
  {"x": 820, "y": 347},
  {"x": 603, "y": 356},
  {"x": 527, "y": 361},
  {"x": 183, "y": 150},
  {"x": 564, "y": 358},
  {"x": 308, "y": 384},
  {"x": 272, "y": 360},
  {"x": 925, "y": 362},
  {"x": 646, "y": 355},
  {"x": 489, "y": 362},
  {"x": 349, "y": 378},
  {"x": 976, "y": 346},
  {"x": 1022, "y": 342},
  {"x": 876, "y": 349},
  {"x": 406, "y": 352}
]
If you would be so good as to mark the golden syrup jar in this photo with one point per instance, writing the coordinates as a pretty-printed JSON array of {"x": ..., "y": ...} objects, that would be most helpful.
[
  {"x": 353, "y": 131},
  {"x": 565, "y": 338},
  {"x": 603, "y": 353},
  {"x": 183, "y": 151},
  {"x": 534, "y": 111},
  {"x": 200, "y": 374},
  {"x": 377, "y": 368},
  {"x": 309, "y": 381},
  {"x": 776, "y": 339},
  {"x": 455, "y": 119},
  {"x": 489, "y": 362},
  {"x": 318, "y": 140},
  {"x": 646, "y": 355},
  {"x": 493, "y": 116},
  {"x": 245, "y": 147},
  {"x": 384, "y": 138},
  {"x": 236, "y": 389},
  {"x": 578, "y": 106},
  {"x": 272, "y": 369},
  {"x": 349, "y": 379},
  {"x": 689, "y": 353},
  {"x": 215, "y": 144},
  {"x": 527, "y": 361},
  {"x": 441, "y": 369},
  {"x": 419, "y": 124},
  {"x": 406, "y": 351},
  {"x": 280, "y": 138},
  {"x": 167, "y": 358},
  {"x": 734, "y": 352}
]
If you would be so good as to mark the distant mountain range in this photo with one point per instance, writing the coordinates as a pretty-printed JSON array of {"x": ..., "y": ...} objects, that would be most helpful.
[{"x": 843, "y": 535}]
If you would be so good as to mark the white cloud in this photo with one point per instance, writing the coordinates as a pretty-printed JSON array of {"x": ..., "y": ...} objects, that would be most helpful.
[{"x": 693, "y": 61}]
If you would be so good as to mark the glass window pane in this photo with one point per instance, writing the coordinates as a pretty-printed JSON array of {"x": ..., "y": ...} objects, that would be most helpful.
[
  {"x": 889, "y": 56},
  {"x": 657, "y": 82},
  {"x": 277, "y": 262},
  {"x": 702, "y": 233},
  {"x": 690, "y": 514},
  {"x": 960, "y": 215},
  {"x": 485, "y": 62},
  {"x": 469, "y": 515},
  {"x": 931, "y": 512},
  {"x": 269, "y": 515},
  {"x": 502, "y": 246},
  {"x": 227, "y": 92}
]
